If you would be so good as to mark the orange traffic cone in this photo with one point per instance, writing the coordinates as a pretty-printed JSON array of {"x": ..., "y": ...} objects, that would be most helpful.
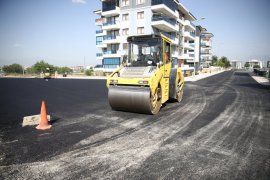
[{"x": 44, "y": 124}]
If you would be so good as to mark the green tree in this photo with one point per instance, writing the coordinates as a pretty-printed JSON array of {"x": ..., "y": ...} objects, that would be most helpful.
[
  {"x": 247, "y": 65},
  {"x": 257, "y": 66},
  {"x": 224, "y": 62},
  {"x": 41, "y": 66},
  {"x": 13, "y": 68},
  {"x": 63, "y": 70},
  {"x": 89, "y": 72},
  {"x": 214, "y": 60}
]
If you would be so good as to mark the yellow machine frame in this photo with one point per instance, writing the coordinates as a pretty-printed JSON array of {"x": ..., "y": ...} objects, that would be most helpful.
[{"x": 159, "y": 79}]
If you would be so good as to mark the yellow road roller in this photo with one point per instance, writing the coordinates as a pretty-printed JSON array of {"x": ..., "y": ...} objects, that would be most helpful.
[
  {"x": 47, "y": 74},
  {"x": 147, "y": 77}
]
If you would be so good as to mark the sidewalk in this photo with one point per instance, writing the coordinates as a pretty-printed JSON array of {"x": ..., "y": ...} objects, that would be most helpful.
[
  {"x": 261, "y": 80},
  {"x": 201, "y": 76},
  {"x": 187, "y": 79}
]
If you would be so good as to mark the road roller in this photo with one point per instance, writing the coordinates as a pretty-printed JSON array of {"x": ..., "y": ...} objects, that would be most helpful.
[{"x": 147, "y": 77}]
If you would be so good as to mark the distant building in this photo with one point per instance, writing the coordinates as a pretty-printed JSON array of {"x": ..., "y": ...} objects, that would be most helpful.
[
  {"x": 206, "y": 47},
  {"x": 77, "y": 68},
  {"x": 268, "y": 64},
  {"x": 235, "y": 64},
  {"x": 255, "y": 62}
]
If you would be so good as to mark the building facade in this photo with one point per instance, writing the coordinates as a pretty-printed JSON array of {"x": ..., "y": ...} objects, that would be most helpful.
[
  {"x": 254, "y": 62},
  {"x": 235, "y": 64},
  {"x": 206, "y": 48},
  {"x": 122, "y": 18}
]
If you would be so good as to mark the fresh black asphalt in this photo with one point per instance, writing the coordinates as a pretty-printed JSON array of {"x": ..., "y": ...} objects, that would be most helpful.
[{"x": 220, "y": 130}]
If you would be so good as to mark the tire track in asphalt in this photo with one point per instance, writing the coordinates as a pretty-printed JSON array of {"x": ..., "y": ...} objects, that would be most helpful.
[
  {"x": 206, "y": 155},
  {"x": 155, "y": 138}
]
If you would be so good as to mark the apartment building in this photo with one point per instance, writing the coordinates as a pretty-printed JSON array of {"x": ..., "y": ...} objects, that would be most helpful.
[
  {"x": 206, "y": 48},
  {"x": 122, "y": 18},
  {"x": 236, "y": 64}
]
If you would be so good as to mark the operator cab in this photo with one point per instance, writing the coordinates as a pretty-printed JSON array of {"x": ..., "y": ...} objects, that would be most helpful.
[{"x": 144, "y": 50}]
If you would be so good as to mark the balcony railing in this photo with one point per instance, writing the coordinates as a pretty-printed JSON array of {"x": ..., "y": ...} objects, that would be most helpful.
[
  {"x": 111, "y": 52},
  {"x": 192, "y": 44},
  {"x": 169, "y": 3},
  {"x": 99, "y": 31},
  {"x": 99, "y": 54},
  {"x": 164, "y": 18},
  {"x": 109, "y": 23},
  {"x": 109, "y": 37},
  {"x": 205, "y": 53},
  {"x": 203, "y": 44},
  {"x": 172, "y": 37}
]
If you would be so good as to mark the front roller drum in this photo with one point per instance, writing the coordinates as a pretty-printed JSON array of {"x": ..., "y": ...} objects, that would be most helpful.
[{"x": 134, "y": 99}]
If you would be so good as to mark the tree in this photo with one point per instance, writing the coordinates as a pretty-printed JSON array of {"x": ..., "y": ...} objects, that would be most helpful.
[
  {"x": 89, "y": 72},
  {"x": 214, "y": 60},
  {"x": 63, "y": 70},
  {"x": 41, "y": 66},
  {"x": 13, "y": 68},
  {"x": 224, "y": 62},
  {"x": 247, "y": 65},
  {"x": 257, "y": 66}
]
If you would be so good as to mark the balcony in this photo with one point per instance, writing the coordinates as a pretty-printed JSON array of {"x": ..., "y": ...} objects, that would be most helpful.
[
  {"x": 100, "y": 33},
  {"x": 164, "y": 23},
  {"x": 111, "y": 39},
  {"x": 189, "y": 46},
  {"x": 189, "y": 26},
  {"x": 99, "y": 56},
  {"x": 173, "y": 38},
  {"x": 99, "y": 22},
  {"x": 189, "y": 36},
  {"x": 188, "y": 57},
  {"x": 111, "y": 25},
  {"x": 175, "y": 54},
  {"x": 205, "y": 44},
  {"x": 111, "y": 54},
  {"x": 167, "y": 7},
  {"x": 101, "y": 45},
  {"x": 110, "y": 10}
]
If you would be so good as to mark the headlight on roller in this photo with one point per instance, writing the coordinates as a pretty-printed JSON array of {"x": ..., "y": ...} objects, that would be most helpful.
[{"x": 144, "y": 82}]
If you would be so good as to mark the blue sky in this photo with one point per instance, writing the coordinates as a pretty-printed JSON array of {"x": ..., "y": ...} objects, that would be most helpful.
[{"x": 62, "y": 32}]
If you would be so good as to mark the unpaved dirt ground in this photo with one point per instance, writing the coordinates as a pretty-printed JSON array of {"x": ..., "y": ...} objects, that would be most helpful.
[{"x": 220, "y": 130}]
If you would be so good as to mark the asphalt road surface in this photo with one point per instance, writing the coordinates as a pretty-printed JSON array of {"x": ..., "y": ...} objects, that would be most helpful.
[{"x": 220, "y": 130}]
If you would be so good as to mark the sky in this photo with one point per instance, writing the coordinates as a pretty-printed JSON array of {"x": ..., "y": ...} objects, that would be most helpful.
[{"x": 62, "y": 32}]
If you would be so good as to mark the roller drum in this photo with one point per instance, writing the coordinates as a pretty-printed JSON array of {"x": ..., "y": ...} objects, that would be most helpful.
[{"x": 130, "y": 98}]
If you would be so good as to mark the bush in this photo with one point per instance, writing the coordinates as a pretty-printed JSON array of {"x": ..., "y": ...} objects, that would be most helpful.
[
  {"x": 13, "y": 68},
  {"x": 63, "y": 70},
  {"x": 89, "y": 72},
  {"x": 256, "y": 66}
]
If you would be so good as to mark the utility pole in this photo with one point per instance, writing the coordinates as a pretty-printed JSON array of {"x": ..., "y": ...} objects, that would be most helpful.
[{"x": 84, "y": 63}]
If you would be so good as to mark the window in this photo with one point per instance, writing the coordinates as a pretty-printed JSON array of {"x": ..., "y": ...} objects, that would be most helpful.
[
  {"x": 140, "y": 30},
  {"x": 111, "y": 61},
  {"x": 140, "y": 1},
  {"x": 140, "y": 15},
  {"x": 99, "y": 40},
  {"x": 125, "y": 32},
  {"x": 125, "y": 17},
  {"x": 125, "y": 2}
]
